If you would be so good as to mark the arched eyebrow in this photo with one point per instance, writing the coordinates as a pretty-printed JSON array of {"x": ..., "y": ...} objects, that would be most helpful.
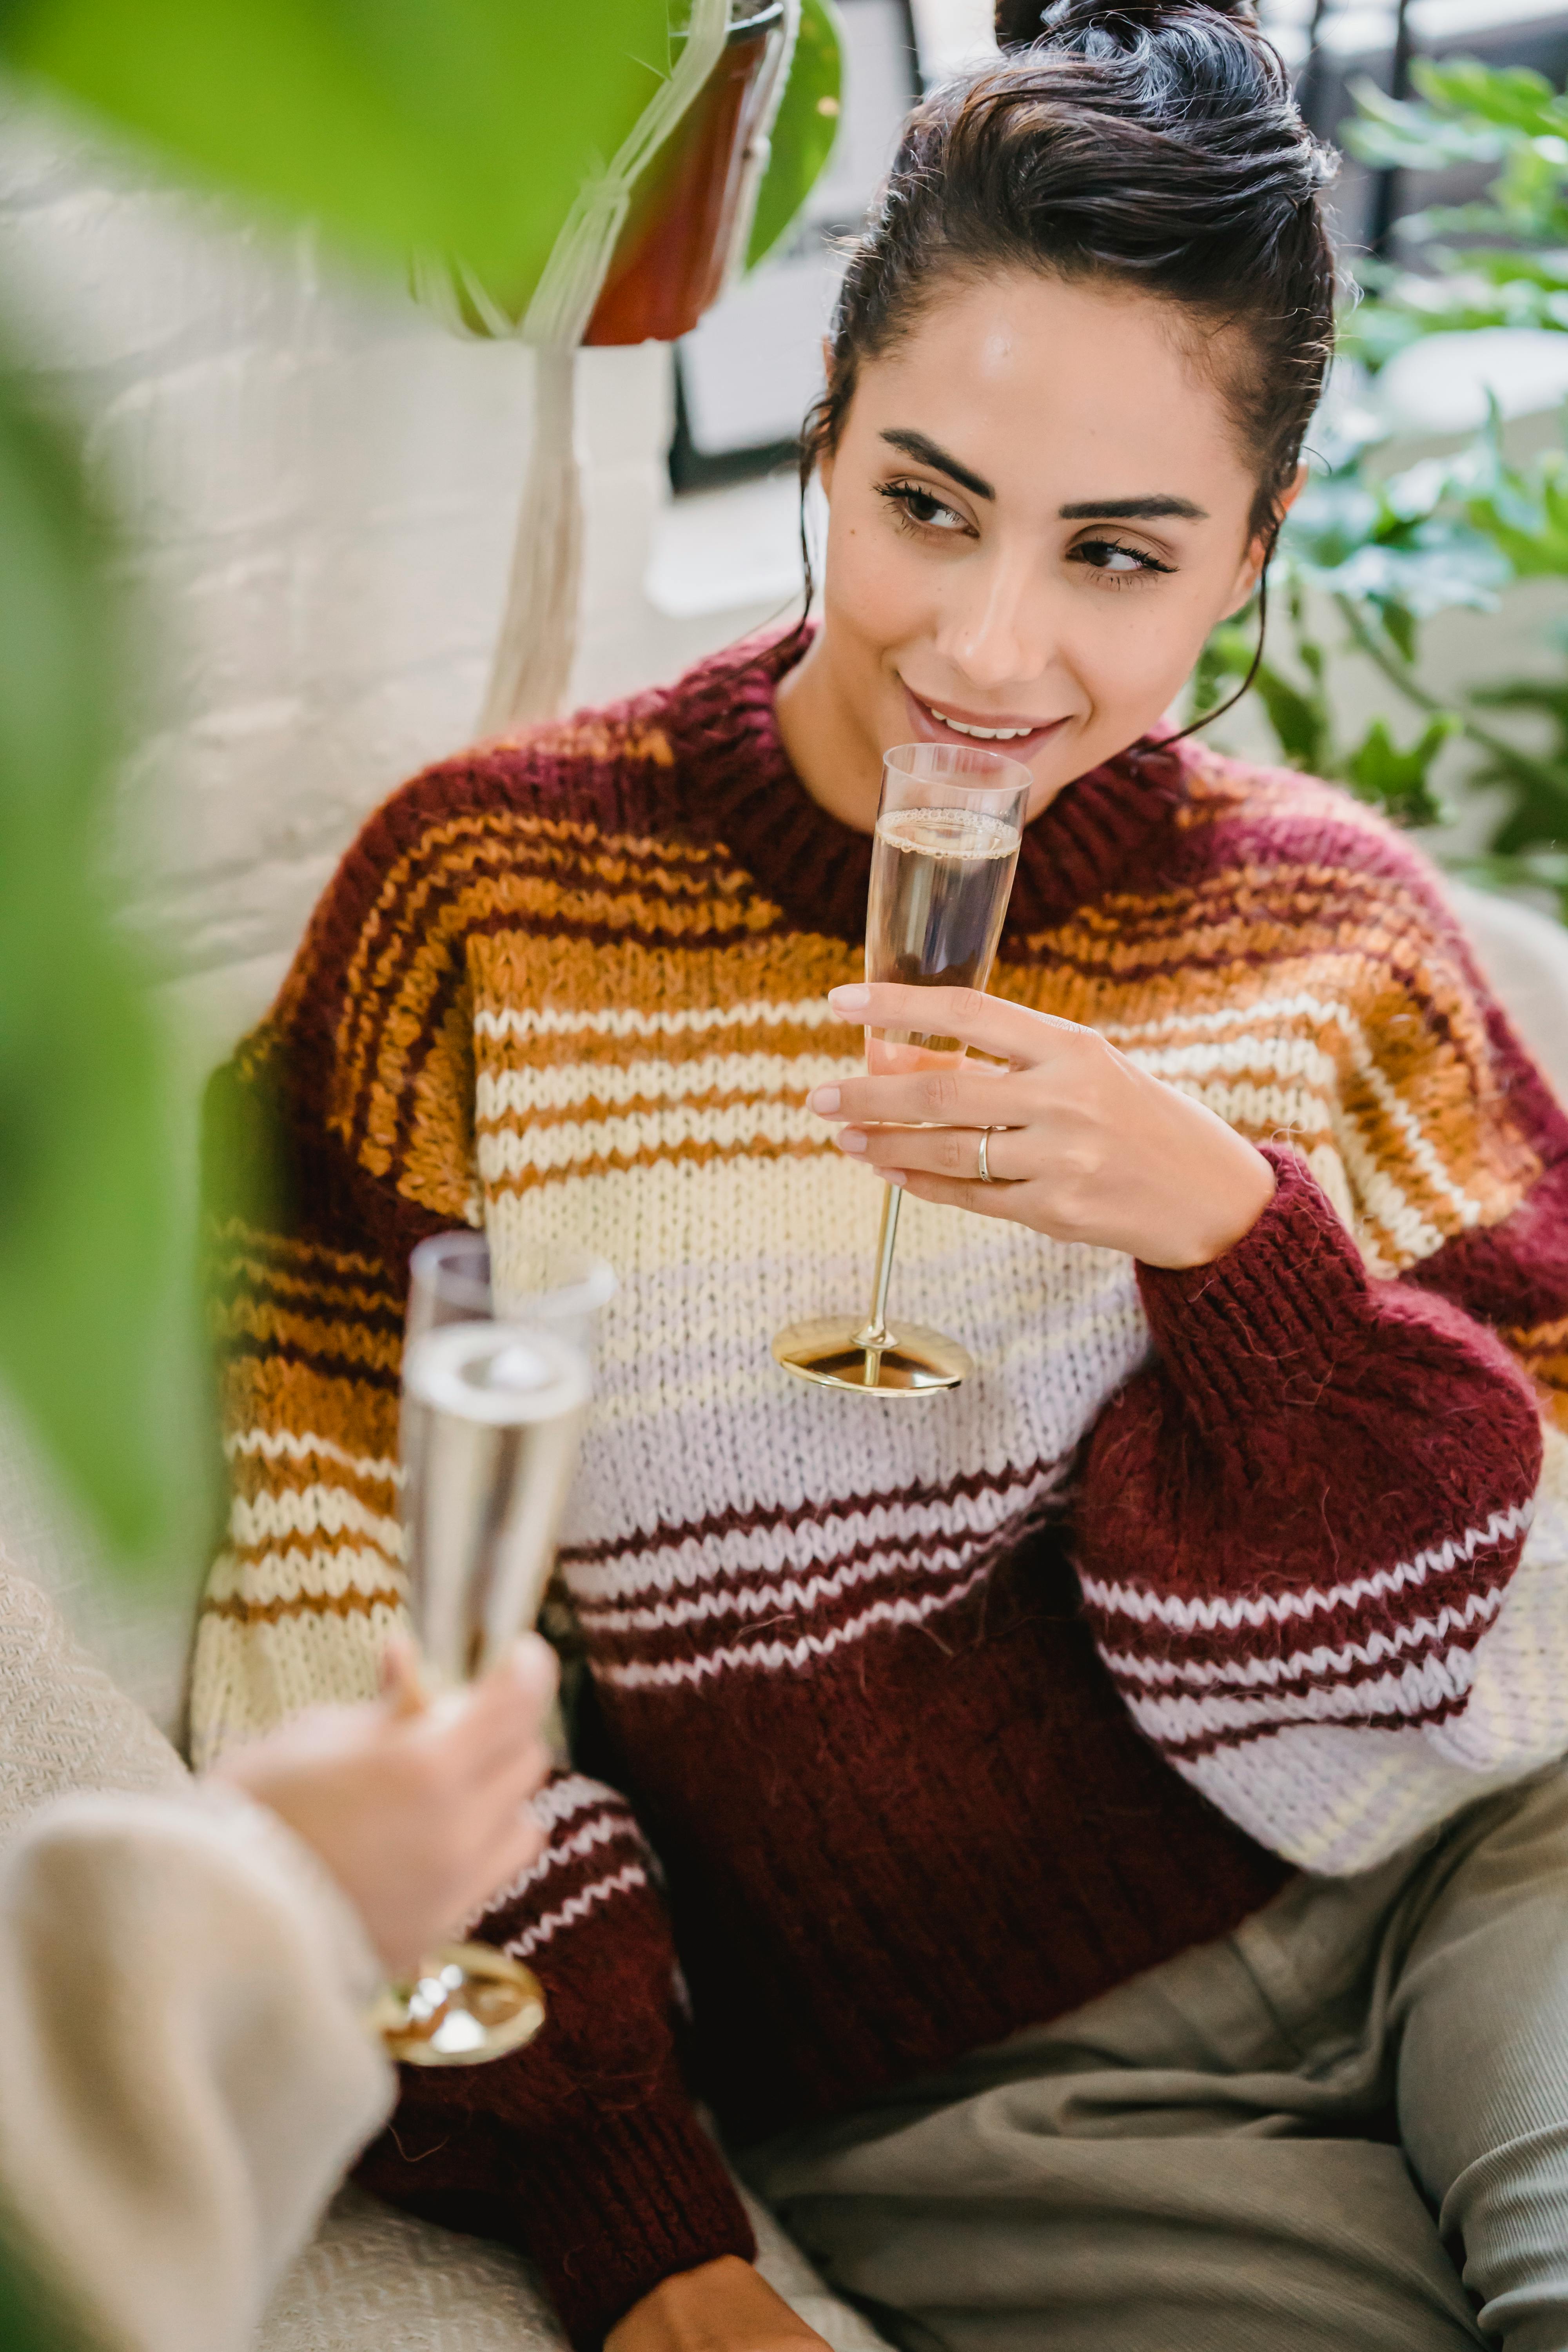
[
  {"x": 926, "y": 453},
  {"x": 1149, "y": 510}
]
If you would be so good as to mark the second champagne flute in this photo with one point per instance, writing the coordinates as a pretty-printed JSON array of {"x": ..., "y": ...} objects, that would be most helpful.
[{"x": 946, "y": 847}]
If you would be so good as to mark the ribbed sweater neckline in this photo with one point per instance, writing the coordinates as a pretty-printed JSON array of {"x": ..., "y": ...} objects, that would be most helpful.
[{"x": 735, "y": 784}]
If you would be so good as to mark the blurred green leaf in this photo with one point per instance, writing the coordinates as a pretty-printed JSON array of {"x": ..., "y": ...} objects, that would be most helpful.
[
  {"x": 805, "y": 127},
  {"x": 1399, "y": 782},
  {"x": 1392, "y": 132},
  {"x": 1298, "y": 721},
  {"x": 1537, "y": 783},
  {"x": 1526, "y": 517},
  {"x": 32, "y": 2320},
  {"x": 86, "y": 1226},
  {"x": 464, "y": 126},
  {"x": 1514, "y": 97},
  {"x": 1223, "y": 663}
]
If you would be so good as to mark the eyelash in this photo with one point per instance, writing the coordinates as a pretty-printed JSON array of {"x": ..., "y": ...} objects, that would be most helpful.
[
  {"x": 1146, "y": 563},
  {"x": 903, "y": 498}
]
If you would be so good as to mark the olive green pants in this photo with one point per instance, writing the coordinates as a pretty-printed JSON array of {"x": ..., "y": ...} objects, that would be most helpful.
[{"x": 1345, "y": 2126}]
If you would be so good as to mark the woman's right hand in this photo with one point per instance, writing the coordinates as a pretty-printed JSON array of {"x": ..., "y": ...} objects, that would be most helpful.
[
  {"x": 418, "y": 1808},
  {"x": 721, "y": 2306}
]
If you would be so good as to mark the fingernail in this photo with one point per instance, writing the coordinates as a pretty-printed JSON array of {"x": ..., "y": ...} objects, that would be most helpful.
[
  {"x": 850, "y": 1139},
  {"x": 825, "y": 1100},
  {"x": 893, "y": 1176},
  {"x": 851, "y": 998}
]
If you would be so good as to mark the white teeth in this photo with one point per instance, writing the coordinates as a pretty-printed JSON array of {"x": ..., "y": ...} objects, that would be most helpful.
[{"x": 987, "y": 734}]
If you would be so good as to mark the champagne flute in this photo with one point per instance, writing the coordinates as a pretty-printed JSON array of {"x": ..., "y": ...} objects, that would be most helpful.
[
  {"x": 946, "y": 846},
  {"x": 493, "y": 1407}
]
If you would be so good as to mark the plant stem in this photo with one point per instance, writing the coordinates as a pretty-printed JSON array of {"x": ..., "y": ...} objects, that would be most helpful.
[{"x": 1398, "y": 674}]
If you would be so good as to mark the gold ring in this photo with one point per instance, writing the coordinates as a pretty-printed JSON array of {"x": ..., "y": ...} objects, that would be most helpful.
[{"x": 985, "y": 1175}]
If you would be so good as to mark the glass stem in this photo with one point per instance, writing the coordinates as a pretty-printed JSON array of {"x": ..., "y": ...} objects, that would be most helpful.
[{"x": 874, "y": 1332}]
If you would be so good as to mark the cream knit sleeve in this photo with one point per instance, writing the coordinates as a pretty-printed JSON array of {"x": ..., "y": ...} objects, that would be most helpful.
[{"x": 186, "y": 2074}]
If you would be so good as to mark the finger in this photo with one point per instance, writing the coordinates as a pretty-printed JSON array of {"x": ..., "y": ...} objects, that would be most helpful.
[
  {"x": 953, "y": 1193},
  {"x": 507, "y": 1710},
  {"x": 401, "y": 1684},
  {"x": 961, "y": 1098},
  {"x": 1013, "y": 1033},
  {"x": 936, "y": 1151}
]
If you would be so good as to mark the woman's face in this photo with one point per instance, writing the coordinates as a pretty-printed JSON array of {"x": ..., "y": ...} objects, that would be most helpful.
[{"x": 1038, "y": 511}]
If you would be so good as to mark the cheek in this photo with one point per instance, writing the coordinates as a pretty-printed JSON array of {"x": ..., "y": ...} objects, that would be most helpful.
[
  {"x": 877, "y": 588},
  {"x": 1140, "y": 646}
]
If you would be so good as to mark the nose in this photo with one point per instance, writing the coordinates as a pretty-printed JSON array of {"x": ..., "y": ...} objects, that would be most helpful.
[{"x": 996, "y": 626}]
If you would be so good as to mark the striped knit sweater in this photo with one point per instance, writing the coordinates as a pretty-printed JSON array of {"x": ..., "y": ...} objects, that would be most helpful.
[{"x": 941, "y": 1717}]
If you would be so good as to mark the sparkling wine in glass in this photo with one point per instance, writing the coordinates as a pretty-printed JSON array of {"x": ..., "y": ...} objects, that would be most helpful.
[
  {"x": 495, "y": 1393},
  {"x": 942, "y": 861}
]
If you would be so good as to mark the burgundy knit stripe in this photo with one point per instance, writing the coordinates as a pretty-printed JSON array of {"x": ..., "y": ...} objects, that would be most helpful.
[
  {"x": 938, "y": 1588},
  {"x": 1419, "y": 1645},
  {"x": 902, "y": 1569},
  {"x": 1191, "y": 1752},
  {"x": 966, "y": 1486},
  {"x": 1122, "y": 1634},
  {"x": 584, "y": 1857}
]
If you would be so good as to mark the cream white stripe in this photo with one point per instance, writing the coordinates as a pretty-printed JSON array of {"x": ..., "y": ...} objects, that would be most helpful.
[
  {"x": 1300, "y": 1004},
  {"x": 309, "y": 1511},
  {"x": 1335, "y": 1798},
  {"x": 799, "y": 1545},
  {"x": 294, "y": 1574},
  {"x": 789, "y": 1598},
  {"x": 554, "y": 1857},
  {"x": 624, "y": 1021},
  {"x": 1277, "y": 1608},
  {"x": 772, "y": 1657},
  {"x": 575, "y": 1908},
  {"x": 504, "y": 1152},
  {"x": 271, "y": 1443},
  {"x": 1436, "y": 1682},
  {"x": 571, "y": 1794},
  {"x": 1286, "y": 1057},
  {"x": 1302, "y": 1663},
  {"x": 523, "y": 1094}
]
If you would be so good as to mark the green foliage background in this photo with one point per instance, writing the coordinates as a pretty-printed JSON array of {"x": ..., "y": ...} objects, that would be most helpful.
[{"x": 1369, "y": 554}]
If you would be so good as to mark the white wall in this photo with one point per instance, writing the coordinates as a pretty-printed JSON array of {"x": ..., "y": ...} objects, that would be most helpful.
[{"x": 318, "y": 485}]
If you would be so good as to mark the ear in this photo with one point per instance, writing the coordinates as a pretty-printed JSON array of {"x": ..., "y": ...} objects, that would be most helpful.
[{"x": 1250, "y": 570}]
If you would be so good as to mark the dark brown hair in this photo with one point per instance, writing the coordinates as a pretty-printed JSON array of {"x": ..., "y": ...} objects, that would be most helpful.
[{"x": 1157, "y": 146}]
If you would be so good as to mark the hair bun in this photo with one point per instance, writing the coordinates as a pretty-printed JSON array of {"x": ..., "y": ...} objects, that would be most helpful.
[{"x": 1021, "y": 23}]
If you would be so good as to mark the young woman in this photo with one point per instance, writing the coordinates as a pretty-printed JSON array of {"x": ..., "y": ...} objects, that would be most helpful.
[{"x": 1108, "y": 1816}]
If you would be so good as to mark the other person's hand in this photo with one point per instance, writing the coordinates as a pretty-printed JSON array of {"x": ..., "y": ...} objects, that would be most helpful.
[
  {"x": 721, "y": 2306},
  {"x": 1095, "y": 1149},
  {"x": 419, "y": 1810}
]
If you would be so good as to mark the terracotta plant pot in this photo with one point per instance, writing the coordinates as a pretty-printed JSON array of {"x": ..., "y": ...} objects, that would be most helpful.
[{"x": 674, "y": 254}]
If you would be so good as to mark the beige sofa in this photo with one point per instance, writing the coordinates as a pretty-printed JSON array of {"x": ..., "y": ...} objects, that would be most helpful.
[
  {"x": 91, "y": 1707},
  {"x": 372, "y": 2280}
]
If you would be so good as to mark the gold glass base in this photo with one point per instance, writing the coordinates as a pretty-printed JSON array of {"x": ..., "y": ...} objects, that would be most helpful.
[
  {"x": 840, "y": 1351},
  {"x": 469, "y": 2004}
]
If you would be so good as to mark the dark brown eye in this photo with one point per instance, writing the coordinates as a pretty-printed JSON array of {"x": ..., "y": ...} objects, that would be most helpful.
[
  {"x": 1111, "y": 555},
  {"x": 921, "y": 507}
]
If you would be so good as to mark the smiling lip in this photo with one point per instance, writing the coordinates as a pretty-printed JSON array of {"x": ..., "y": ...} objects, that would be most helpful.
[{"x": 993, "y": 730}]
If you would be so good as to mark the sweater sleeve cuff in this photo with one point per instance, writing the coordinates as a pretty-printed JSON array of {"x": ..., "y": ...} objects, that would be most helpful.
[
  {"x": 626, "y": 2199},
  {"x": 1265, "y": 1326}
]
